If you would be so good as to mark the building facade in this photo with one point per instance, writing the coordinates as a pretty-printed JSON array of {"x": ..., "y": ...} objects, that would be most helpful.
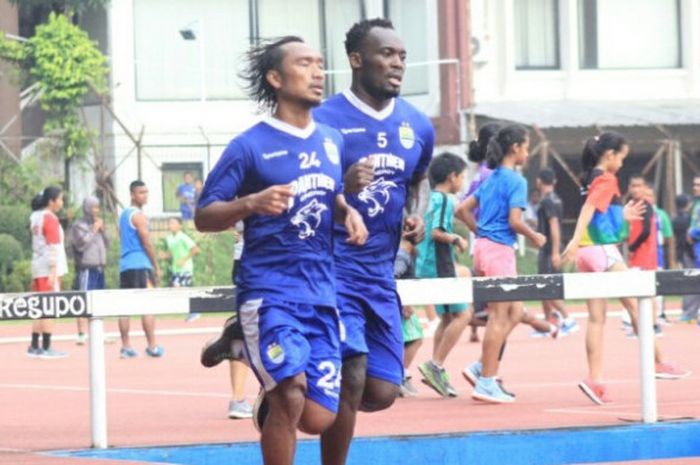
[
  {"x": 572, "y": 68},
  {"x": 174, "y": 65}
]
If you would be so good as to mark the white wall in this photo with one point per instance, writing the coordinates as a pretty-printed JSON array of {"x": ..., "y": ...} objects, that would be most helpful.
[
  {"x": 496, "y": 78},
  {"x": 178, "y": 122}
]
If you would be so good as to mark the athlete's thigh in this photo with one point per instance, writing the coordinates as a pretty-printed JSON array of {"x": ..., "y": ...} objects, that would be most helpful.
[
  {"x": 384, "y": 336},
  {"x": 323, "y": 370},
  {"x": 275, "y": 339},
  {"x": 351, "y": 308}
]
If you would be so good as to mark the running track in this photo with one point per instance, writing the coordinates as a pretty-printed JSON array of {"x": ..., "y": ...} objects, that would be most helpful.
[{"x": 44, "y": 405}]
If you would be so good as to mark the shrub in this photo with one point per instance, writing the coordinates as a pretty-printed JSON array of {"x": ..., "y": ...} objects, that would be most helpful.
[{"x": 14, "y": 220}]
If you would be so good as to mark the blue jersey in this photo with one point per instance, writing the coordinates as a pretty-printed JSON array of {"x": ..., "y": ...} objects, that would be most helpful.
[
  {"x": 400, "y": 141},
  {"x": 133, "y": 255},
  {"x": 290, "y": 255},
  {"x": 503, "y": 190}
]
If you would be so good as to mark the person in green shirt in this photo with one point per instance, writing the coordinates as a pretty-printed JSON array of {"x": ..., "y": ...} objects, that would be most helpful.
[
  {"x": 436, "y": 259},
  {"x": 180, "y": 250}
]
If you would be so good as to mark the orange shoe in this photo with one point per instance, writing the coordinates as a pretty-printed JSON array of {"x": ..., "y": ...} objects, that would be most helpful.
[
  {"x": 665, "y": 370},
  {"x": 597, "y": 392}
]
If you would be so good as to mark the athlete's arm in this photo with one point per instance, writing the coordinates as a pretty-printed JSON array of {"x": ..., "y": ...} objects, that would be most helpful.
[
  {"x": 516, "y": 221},
  {"x": 465, "y": 212},
  {"x": 416, "y": 206},
  {"x": 646, "y": 230},
  {"x": 352, "y": 220},
  {"x": 555, "y": 232},
  {"x": 358, "y": 176},
  {"x": 222, "y": 215},
  {"x": 141, "y": 225},
  {"x": 584, "y": 219}
]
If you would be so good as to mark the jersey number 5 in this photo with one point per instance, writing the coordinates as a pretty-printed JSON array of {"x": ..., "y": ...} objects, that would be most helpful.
[{"x": 381, "y": 140}]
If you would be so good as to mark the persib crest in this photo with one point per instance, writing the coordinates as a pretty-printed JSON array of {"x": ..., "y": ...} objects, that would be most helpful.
[
  {"x": 331, "y": 151},
  {"x": 407, "y": 135}
]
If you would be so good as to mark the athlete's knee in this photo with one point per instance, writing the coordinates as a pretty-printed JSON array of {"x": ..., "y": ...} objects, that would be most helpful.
[
  {"x": 315, "y": 419},
  {"x": 354, "y": 377},
  {"x": 378, "y": 395},
  {"x": 289, "y": 397}
]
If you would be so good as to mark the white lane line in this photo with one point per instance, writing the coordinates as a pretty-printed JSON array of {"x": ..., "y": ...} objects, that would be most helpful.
[
  {"x": 50, "y": 387},
  {"x": 114, "y": 335}
]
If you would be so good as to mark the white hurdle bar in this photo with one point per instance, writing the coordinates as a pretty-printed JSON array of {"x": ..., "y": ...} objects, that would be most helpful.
[{"x": 127, "y": 302}]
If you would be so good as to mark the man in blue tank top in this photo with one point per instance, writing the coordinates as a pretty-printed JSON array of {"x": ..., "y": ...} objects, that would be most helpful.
[
  {"x": 138, "y": 267},
  {"x": 397, "y": 140},
  {"x": 283, "y": 178}
]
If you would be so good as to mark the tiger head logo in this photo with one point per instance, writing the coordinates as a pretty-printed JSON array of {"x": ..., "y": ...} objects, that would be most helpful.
[
  {"x": 377, "y": 195},
  {"x": 308, "y": 218}
]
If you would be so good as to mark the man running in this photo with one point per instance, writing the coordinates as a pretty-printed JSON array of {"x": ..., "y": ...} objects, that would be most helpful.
[
  {"x": 396, "y": 140},
  {"x": 282, "y": 177}
]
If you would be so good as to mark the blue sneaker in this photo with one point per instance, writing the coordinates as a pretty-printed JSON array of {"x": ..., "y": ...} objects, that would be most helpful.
[
  {"x": 34, "y": 352},
  {"x": 488, "y": 390},
  {"x": 128, "y": 352},
  {"x": 569, "y": 327},
  {"x": 156, "y": 352},
  {"x": 472, "y": 372},
  {"x": 50, "y": 354}
]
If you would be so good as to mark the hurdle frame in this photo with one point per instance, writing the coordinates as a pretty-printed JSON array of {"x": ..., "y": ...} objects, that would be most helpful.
[{"x": 644, "y": 285}]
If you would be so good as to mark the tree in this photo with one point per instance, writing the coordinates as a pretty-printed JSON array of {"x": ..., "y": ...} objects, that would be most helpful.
[{"x": 60, "y": 63}]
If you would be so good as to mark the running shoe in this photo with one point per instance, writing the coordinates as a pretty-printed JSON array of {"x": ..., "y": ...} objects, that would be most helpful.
[
  {"x": 665, "y": 370},
  {"x": 569, "y": 326},
  {"x": 597, "y": 392},
  {"x": 687, "y": 319},
  {"x": 34, "y": 352},
  {"x": 238, "y": 409},
  {"x": 488, "y": 390},
  {"x": 192, "y": 317},
  {"x": 433, "y": 377},
  {"x": 156, "y": 352},
  {"x": 228, "y": 346},
  {"x": 407, "y": 388},
  {"x": 128, "y": 352},
  {"x": 81, "y": 339},
  {"x": 472, "y": 372},
  {"x": 658, "y": 331},
  {"x": 540, "y": 334},
  {"x": 260, "y": 410},
  {"x": 50, "y": 354},
  {"x": 451, "y": 391}
]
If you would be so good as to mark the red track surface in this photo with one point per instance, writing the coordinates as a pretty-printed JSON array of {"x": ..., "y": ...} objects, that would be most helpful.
[{"x": 44, "y": 405}]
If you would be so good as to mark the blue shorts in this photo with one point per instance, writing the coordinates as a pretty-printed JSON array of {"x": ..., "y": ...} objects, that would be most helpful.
[
  {"x": 88, "y": 279},
  {"x": 371, "y": 316},
  {"x": 284, "y": 339}
]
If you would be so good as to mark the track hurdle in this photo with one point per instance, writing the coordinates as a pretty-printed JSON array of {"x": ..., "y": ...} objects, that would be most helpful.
[{"x": 98, "y": 305}]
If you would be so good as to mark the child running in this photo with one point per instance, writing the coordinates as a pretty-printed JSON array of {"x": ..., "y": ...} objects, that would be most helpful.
[
  {"x": 436, "y": 259},
  {"x": 501, "y": 200},
  {"x": 601, "y": 225}
]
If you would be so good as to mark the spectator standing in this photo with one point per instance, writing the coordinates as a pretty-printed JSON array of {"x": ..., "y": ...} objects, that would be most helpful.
[
  {"x": 181, "y": 249},
  {"x": 186, "y": 193},
  {"x": 49, "y": 264},
  {"x": 138, "y": 267},
  {"x": 89, "y": 242}
]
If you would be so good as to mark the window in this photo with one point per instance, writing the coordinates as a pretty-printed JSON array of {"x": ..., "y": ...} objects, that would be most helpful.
[
  {"x": 282, "y": 18},
  {"x": 536, "y": 34},
  {"x": 171, "y": 65},
  {"x": 340, "y": 15},
  {"x": 173, "y": 177},
  {"x": 612, "y": 36},
  {"x": 411, "y": 23}
]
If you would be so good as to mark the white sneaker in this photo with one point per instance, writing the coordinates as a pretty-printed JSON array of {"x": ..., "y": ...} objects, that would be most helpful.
[{"x": 239, "y": 409}]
